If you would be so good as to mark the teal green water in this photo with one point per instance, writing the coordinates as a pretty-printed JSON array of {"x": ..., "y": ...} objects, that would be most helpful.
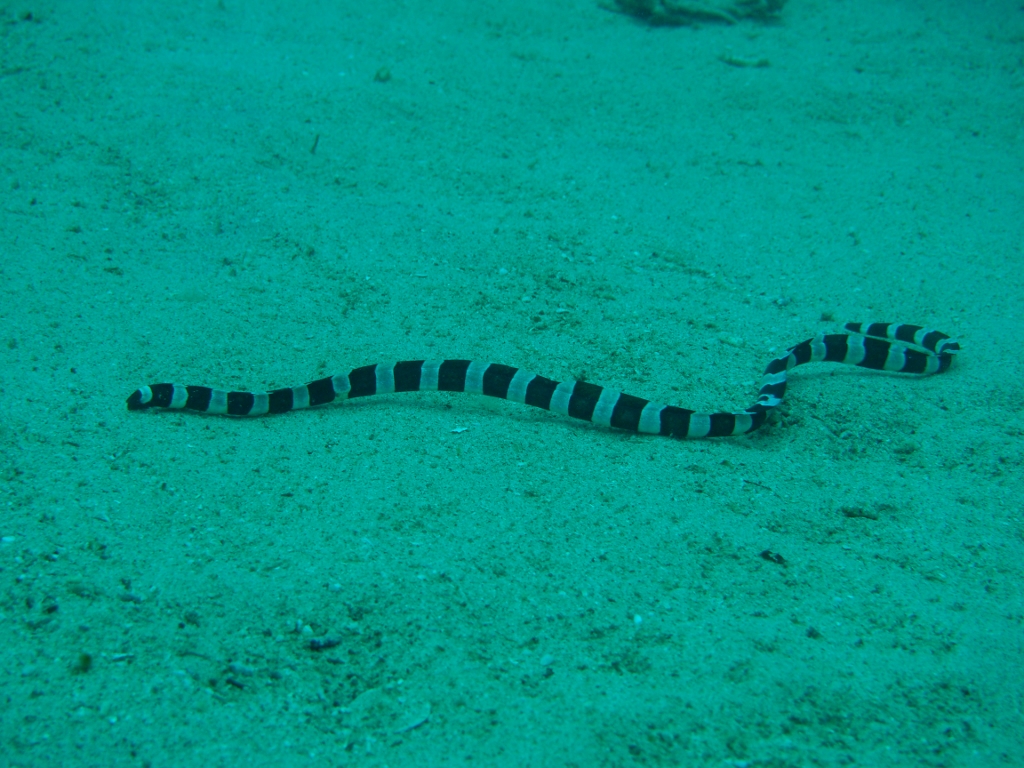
[{"x": 253, "y": 195}]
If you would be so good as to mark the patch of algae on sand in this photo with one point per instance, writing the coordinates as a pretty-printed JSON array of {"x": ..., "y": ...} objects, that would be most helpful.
[{"x": 677, "y": 13}]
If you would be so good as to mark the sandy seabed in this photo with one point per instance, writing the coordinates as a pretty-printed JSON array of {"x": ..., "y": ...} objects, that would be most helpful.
[{"x": 255, "y": 194}]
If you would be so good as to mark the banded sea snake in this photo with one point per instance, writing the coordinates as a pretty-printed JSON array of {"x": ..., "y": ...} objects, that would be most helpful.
[{"x": 890, "y": 347}]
